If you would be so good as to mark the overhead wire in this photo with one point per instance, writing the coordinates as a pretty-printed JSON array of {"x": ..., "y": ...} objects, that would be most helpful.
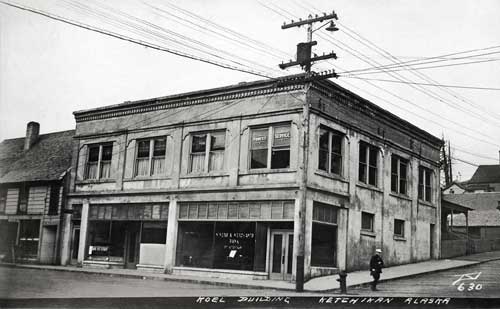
[
  {"x": 426, "y": 110},
  {"x": 425, "y": 84},
  {"x": 129, "y": 39},
  {"x": 207, "y": 29},
  {"x": 158, "y": 33},
  {"x": 387, "y": 55}
]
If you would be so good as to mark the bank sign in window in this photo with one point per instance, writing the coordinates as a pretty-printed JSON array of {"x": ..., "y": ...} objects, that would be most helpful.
[{"x": 279, "y": 156}]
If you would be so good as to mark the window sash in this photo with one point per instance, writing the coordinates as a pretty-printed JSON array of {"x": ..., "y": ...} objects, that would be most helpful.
[
  {"x": 210, "y": 157},
  {"x": 368, "y": 164},
  {"x": 425, "y": 184},
  {"x": 399, "y": 173},
  {"x": 275, "y": 138},
  {"x": 100, "y": 168},
  {"x": 367, "y": 221},
  {"x": 399, "y": 228},
  {"x": 154, "y": 163},
  {"x": 330, "y": 152},
  {"x": 216, "y": 160},
  {"x": 3, "y": 200}
]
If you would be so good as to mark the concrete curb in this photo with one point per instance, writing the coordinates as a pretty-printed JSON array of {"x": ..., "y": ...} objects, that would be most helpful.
[
  {"x": 364, "y": 284},
  {"x": 227, "y": 284},
  {"x": 147, "y": 277}
]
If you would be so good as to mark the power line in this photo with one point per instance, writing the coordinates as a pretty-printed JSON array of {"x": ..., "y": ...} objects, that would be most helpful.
[
  {"x": 396, "y": 75},
  {"x": 464, "y": 161},
  {"x": 157, "y": 32},
  {"x": 474, "y": 154},
  {"x": 425, "y": 77},
  {"x": 416, "y": 105},
  {"x": 411, "y": 67},
  {"x": 412, "y": 63},
  {"x": 129, "y": 39},
  {"x": 423, "y": 84}
]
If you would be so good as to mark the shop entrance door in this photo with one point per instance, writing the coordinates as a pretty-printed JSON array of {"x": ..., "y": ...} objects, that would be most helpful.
[
  {"x": 281, "y": 255},
  {"x": 132, "y": 245}
]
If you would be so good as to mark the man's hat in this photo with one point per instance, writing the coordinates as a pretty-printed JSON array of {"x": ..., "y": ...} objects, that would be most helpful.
[{"x": 378, "y": 251}]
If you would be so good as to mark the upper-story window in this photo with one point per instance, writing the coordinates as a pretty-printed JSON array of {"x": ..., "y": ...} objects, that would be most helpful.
[
  {"x": 368, "y": 162},
  {"x": 330, "y": 151},
  {"x": 367, "y": 221},
  {"x": 207, "y": 152},
  {"x": 55, "y": 191},
  {"x": 99, "y": 162},
  {"x": 3, "y": 199},
  {"x": 270, "y": 147},
  {"x": 22, "y": 202},
  {"x": 424, "y": 184},
  {"x": 399, "y": 172},
  {"x": 151, "y": 154},
  {"x": 399, "y": 228}
]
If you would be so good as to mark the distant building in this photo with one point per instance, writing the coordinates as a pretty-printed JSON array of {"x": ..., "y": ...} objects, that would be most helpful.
[
  {"x": 208, "y": 183},
  {"x": 455, "y": 188},
  {"x": 484, "y": 219},
  {"x": 33, "y": 173},
  {"x": 485, "y": 179}
]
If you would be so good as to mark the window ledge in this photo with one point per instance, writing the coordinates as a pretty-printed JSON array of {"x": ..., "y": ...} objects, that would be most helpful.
[
  {"x": 86, "y": 181},
  {"x": 401, "y": 196},
  {"x": 268, "y": 171},
  {"x": 203, "y": 175},
  {"x": 369, "y": 187},
  {"x": 400, "y": 238},
  {"x": 368, "y": 233},
  {"x": 330, "y": 175},
  {"x": 142, "y": 178},
  {"x": 426, "y": 203}
]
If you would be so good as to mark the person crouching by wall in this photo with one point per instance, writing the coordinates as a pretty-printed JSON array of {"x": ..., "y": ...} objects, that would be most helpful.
[{"x": 376, "y": 264}]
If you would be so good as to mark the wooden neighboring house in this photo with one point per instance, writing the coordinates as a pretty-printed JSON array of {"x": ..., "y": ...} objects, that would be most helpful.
[
  {"x": 33, "y": 176},
  {"x": 484, "y": 219}
]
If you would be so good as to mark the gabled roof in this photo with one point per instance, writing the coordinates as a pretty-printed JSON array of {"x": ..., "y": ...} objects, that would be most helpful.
[
  {"x": 485, "y": 205},
  {"x": 47, "y": 159},
  {"x": 461, "y": 185},
  {"x": 486, "y": 174}
]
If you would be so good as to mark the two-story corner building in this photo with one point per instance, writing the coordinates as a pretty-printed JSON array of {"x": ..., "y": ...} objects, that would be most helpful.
[
  {"x": 209, "y": 182},
  {"x": 33, "y": 176}
]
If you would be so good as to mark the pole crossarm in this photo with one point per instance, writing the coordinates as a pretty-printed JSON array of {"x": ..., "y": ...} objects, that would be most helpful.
[
  {"x": 305, "y": 78},
  {"x": 310, "y": 20},
  {"x": 318, "y": 58}
]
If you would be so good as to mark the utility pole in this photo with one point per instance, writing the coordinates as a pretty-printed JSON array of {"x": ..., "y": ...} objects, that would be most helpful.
[
  {"x": 444, "y": 164},
  {"x": 449, "y": 162},
  {"x": 305, "y": 60}
]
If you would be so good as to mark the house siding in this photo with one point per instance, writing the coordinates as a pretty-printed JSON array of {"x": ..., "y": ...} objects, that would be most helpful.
[
  {"x": 37, "y": 201},
  {"x": 12, "y": 201}
]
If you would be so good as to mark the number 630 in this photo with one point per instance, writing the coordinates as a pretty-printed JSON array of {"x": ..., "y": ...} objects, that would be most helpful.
[{"x": 471, "y": 287}]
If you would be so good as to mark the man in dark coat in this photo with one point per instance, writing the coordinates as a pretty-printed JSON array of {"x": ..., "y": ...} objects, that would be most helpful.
[{"x": 376, "y": 264}]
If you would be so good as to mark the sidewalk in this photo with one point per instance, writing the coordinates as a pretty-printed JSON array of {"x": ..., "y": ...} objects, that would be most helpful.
[{"x": 321, "y": 284}]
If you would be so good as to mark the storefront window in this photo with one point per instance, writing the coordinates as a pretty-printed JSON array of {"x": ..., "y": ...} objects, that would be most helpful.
[
  {"x": 194, "y": 247},
  {"x": 222, "y": 245},
  {"x": 154, "y": 233},
  {"x": 234, "y": 245},
  {"x": 29, "y": 232},
  {"x": 324, "y": 239}
]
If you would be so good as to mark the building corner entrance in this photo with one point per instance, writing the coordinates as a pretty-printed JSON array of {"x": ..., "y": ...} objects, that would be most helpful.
[{"x": 281, "y": 255}]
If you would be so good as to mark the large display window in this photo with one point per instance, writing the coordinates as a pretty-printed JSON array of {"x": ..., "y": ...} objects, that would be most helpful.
[
  {"x": 324, "y": 245},
  {"x": 222, "y": 245}
]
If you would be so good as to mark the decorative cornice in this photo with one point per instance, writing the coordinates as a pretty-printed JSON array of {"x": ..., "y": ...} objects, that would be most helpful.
[
  {"x": 355, "y": 102},
  {"x": 183, "y": 100}
]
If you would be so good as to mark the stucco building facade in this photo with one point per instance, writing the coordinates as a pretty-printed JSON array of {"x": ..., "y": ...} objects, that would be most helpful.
[{"x": 209, "y": 183}]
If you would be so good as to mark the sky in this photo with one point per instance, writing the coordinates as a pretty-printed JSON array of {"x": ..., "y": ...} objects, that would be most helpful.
[{"x": 48, "y": 69}]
